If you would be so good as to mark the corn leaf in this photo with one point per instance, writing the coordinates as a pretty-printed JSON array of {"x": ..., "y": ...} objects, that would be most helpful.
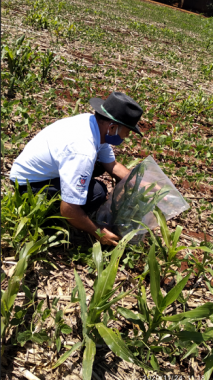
[
  {"x": 118, "y": 346},
  {"x": 176, "y": 236},
  {"x": 65, "y": 356},
  {"x": 195, "y": 336},
  {"x": 88, "y": 358},
  {"x": 30, "y": 194},
  {"x": 9, "y": 295},
  {"x": 199, "y": 312},
  {"x": 31, "y": 247},
  {"x": 21, "y": 266},
  {"x": 105, "y": 283},
  {"x": 154, "y": 277},
  {"x": 3, "y": 326},
  {"x": 2, "y": 148},
  {"x": 163, "y": 226},
  {"x": 98, "y": 257},
  {"x": 21, "y": 225},
  {"x": 112, "y": 302},
  {"x": 174, "y": 293},
  {"x": 142, "y": 304},
  {"x": 137, "y": 319},
  {"x": 82, "y": 296},
  {"x": 154, "y": 240}
]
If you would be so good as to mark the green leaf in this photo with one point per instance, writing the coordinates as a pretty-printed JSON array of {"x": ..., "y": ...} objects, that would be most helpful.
[
  {"x": 40, "y": 337},
  {"x": 20, "y": 313},
  {"x": 3, "y": 275},
  {"x": 17, "y": 197},
  {"x": 88, "y": 358},
  {"x": 46, "y": 313},
  {"x": 58, "y": 343},
  {"x": 15, "y": 322},
  {"x": 192, "y": 349},
  {"x": 199, "y": 312},
  {"x": 23, "y": 337},
  {"x": 154, "y": 363},
  {"x": 208, "y": 368},
  {"x": 174, "y": 293},
  {"x": 21, "y": 225},
  {"x": 9, "y": 296},
  {"x": 27, "y": 291},
  {"x": 31, "y": 247},
  {"x": 20, "y": 268},
  {"x": 2, "y": 148},
  {"x": 137, "y": 319},
  {"x": 105, "y": 283},
  {"x": 65, "y": 356},
  {"x": 40, "y": 306},
  {"x": 55, "y": 301},
  {"x": 82, "y": 296},
  {"x": 195, "y": 336},
  {"x": 30, "y": 195},
  {"x": 98, "y": 257},
  {"x": 20, "y": 40},
  {"x": 154, "y": 277},
  {"x": 117, "y": 345},
  {"x": 65, "y": 329},
  {"x": 58, "y": 316},
  {"x": 3, "y": 326},
  {"x": 163, "y": 226},
  {"x": 107, "y": 305},
  {"x": 176, "y": 236}
]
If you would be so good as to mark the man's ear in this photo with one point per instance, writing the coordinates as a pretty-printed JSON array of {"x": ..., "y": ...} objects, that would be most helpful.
[{"x": 112, "y": 126}]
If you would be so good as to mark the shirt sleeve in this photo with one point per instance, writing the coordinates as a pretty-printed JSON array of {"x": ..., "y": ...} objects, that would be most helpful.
[
  {"x": 106, "y": 154},
  {"x": 75, "y": 171}
]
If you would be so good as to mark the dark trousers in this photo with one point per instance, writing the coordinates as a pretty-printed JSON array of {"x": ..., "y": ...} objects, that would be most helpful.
[{"x": 97, "y": 190}]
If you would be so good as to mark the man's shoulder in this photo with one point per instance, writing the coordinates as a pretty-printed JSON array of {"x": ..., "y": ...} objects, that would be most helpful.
[{"x": 75, "y": 119}]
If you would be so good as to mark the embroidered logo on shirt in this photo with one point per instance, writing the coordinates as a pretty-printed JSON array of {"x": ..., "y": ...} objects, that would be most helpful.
[{"x": 81, "y": 184}]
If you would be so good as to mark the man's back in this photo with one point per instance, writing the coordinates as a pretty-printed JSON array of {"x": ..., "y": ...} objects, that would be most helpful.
[{"x": 41, "y": 158}]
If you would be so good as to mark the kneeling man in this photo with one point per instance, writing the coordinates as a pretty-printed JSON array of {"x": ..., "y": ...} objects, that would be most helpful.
[{"x": 64, "y": 155}]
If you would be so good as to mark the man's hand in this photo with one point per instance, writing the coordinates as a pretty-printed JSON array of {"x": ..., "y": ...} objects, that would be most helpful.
[
  {"x": 109, "y": 238},
  {"x": 76, "y": 217}
]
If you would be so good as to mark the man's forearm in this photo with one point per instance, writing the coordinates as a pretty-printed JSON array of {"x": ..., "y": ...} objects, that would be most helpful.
[
  {"x": 78, "y": 218},
  {"x": 119, "y": 171},
  {"x": 116, "y": 170}
]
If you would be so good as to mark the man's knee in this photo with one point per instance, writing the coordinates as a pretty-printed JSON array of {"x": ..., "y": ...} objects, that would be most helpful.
[
  {"x": 100, "y": 191},
  {"x": 97, "y": 193}
]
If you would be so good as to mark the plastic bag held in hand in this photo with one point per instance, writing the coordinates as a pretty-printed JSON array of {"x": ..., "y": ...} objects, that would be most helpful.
[{"x": 135, "y": 197}]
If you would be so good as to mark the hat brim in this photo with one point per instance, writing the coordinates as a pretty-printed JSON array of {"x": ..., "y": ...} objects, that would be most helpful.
[{"x": 96, "y": 103}]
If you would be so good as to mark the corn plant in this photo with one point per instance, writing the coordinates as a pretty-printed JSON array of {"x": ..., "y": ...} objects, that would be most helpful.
[
  {"x": 8, "y": 296},
  {"x": 134, "y": 203},
  {"x": 46, "y": 63},
  {"x": 38, "y": 19},
  {"x": 25, "y": 217},
  {"x": 20, "y": 59},
  {"x": 170, "y": 248},
  {"x": 92, "y": 326},
  {"x": 154, "y": 326}
]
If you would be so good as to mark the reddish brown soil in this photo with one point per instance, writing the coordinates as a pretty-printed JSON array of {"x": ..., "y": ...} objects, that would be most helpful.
[{"x": 199, "y": 236}]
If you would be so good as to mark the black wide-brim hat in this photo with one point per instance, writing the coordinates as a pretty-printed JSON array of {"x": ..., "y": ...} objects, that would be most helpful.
[{"x": 120, "y": 108}]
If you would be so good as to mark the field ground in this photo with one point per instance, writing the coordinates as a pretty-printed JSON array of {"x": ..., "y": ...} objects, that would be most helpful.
[{"x": 164, "y": 60}]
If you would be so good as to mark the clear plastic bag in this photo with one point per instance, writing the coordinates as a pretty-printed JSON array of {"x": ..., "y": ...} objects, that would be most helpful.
[{"x": 134, "y": 199}]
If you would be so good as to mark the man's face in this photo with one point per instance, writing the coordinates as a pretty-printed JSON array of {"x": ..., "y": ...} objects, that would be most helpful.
[{"x": 122, "y": 131}]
